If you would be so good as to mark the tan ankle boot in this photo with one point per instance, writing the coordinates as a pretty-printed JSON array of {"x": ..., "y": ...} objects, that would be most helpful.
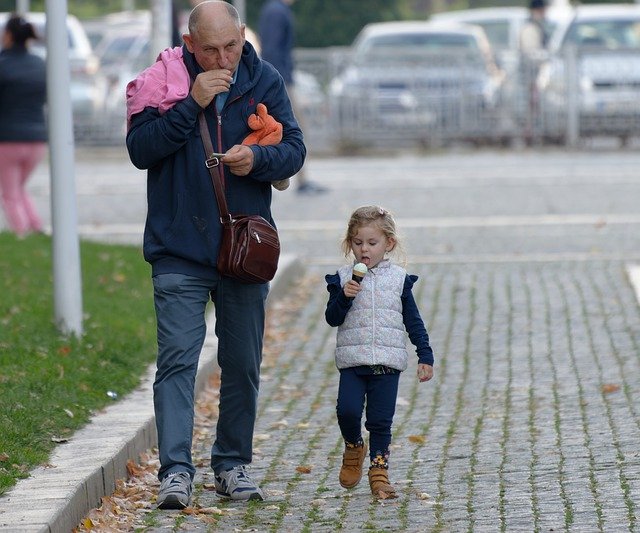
[
  {"x": 351, "y": 471},
  {"x": 379, "y": 483}
]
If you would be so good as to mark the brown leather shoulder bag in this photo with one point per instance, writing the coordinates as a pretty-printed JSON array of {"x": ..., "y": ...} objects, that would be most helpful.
[{"x": 250, "y": 246}]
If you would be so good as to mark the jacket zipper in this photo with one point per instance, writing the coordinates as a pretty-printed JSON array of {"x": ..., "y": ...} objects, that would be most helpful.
[{"x": 219, "y": 135}]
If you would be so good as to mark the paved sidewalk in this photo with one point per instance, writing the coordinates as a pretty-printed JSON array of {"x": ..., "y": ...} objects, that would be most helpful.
[
  {"x": 530, "y": 424},
  {"x": 80, "y": 472}
]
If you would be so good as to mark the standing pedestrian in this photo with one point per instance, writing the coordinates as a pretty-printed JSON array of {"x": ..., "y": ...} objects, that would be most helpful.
[
  {"x": 276, "y": 31},
  {"x": 183, "y": 232},
  {"x": 533, "y": 46},
  {"x": 373, "y": 313},
  {"x": 23, "y": 132}
]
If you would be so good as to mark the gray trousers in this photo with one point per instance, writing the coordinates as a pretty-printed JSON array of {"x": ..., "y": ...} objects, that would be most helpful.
[{"x": 180, "y": 303}]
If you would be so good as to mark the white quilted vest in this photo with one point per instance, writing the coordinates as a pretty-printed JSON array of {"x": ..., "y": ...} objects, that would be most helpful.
[{"x": 373, "y": 332}]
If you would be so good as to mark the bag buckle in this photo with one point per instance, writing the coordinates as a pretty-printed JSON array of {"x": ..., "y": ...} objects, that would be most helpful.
[
  {"x": 211, "y": 162},
  {"x": 226, "y": 221}
]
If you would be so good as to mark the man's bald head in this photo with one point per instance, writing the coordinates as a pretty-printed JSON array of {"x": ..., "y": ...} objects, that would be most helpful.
[{"x": 213, "y": 12}]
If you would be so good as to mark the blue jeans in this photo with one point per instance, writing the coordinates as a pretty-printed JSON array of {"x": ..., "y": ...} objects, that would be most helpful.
[
  {"x": 180, "y": 303},
  {"x": 380, "y": 392}
]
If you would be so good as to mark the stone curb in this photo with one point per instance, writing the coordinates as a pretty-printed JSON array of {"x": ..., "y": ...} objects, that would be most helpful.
[{"x": 53, "y": 499}]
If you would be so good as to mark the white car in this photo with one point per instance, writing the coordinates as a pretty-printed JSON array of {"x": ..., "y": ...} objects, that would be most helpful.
[
  {"x": 418, "y": 82},
  {"x": 594, "y": 73},
  {"x": 503, "y": 26},
  {"x": 87, "y": 83}
]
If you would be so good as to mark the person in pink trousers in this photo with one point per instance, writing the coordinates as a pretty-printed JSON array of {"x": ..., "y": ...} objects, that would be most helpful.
[{"x": 23, "y": 132}]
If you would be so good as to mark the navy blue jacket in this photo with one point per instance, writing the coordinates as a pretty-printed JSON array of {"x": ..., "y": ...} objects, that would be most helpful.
[
  {"x": 277, "y": 37},
  {"x": 183, "y": 229},
  {"x": 23, "y": 92}
]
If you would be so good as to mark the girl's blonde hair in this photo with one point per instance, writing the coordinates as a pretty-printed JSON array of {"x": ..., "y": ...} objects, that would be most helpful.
[{"x": 372, "y": 215}]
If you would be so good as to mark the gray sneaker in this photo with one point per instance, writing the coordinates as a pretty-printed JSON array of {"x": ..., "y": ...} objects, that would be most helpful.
[
  {"x": 175, "y": 491},
  {"x": 238, "y": 485}
]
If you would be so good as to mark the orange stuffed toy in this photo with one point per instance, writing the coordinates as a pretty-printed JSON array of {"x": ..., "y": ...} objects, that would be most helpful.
[{"x": 266, "y": 130}]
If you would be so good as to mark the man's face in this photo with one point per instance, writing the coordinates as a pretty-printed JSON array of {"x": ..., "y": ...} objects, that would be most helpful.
[{"x": 217, "y": 46}]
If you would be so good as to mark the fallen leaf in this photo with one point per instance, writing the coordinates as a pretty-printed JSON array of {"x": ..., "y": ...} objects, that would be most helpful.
[
  {"x": 608, "y": 388},
  {"x": 4, "y": 457},
  {"x": 417, "y": 439},
  {"x": 280, "y": 424},
  {"x": 304, "y": 469}
]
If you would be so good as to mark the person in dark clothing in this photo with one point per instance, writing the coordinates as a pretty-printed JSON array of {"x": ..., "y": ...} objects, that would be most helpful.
[
  {"x": 23, "y": 132},
  {"x": 276, "y": 31},
  {"x": 183, "y": 232}
]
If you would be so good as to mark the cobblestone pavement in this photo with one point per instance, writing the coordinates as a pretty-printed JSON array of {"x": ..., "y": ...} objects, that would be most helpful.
[{"x": 531, "y": 422}]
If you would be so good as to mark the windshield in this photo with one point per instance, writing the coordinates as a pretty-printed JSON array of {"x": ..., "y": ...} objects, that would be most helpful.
[
  {"x": 605, "y": 33},
  {"x": 117, "y": 49},
  {"x": 425, "y": 41}
]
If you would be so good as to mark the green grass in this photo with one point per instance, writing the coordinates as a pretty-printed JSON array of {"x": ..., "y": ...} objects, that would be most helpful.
[{"x": 51, "y": 384}]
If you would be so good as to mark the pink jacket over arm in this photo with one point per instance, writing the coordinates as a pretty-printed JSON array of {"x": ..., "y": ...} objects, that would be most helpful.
[{"x": 161, "y": 85}]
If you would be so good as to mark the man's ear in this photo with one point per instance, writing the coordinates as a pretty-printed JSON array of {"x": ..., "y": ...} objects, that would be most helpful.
[{"x": 188, "y": 41}]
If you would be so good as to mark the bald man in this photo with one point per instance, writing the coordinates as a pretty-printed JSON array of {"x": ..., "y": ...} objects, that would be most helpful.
[{"x": 217, "y": 73}]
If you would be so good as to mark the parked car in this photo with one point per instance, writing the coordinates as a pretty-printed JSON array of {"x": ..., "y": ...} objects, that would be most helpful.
[
  {"x": 502, "y": 26},
  {"x": 603, "y": 87},
  {"x": 416, "y": 81},
  {"x": 87, "y": 83}
]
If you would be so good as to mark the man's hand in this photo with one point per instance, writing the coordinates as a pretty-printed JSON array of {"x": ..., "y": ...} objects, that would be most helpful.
[
  {"x": 210, "y": 83},
  {"x": 239, "y": 159}
]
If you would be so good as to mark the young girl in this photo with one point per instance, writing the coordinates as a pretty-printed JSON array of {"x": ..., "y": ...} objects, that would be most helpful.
[{"x": 372, "y": 316}]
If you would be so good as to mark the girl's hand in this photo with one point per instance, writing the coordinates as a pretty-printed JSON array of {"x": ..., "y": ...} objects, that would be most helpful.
[
  {"x": 425, "y": 372},
  {"x": 351, "y": 288}
]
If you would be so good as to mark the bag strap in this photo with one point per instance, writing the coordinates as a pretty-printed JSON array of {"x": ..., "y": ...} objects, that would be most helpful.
[{"x": 213, "y": 164}]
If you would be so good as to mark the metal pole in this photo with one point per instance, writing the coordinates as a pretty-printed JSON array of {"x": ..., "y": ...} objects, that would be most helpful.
[
  {"x": 67, "y": 279},
  {"x": 160, "y": 27},
  {"x": 572, "y": 86},
  {"x": 22, "y": 6}
]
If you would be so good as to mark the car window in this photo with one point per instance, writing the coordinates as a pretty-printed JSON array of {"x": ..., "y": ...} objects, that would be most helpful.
[
  {"x": 428, "y": 41},
  {"x": 117, "y": 49},
  {"x": 386, "y": 48},
  {"x": 605, "y": 33},
  {"x": 497, "y": 32}
]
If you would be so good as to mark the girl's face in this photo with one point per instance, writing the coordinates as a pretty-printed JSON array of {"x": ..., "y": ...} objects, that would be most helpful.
[{"x": 369, "y": 245}]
